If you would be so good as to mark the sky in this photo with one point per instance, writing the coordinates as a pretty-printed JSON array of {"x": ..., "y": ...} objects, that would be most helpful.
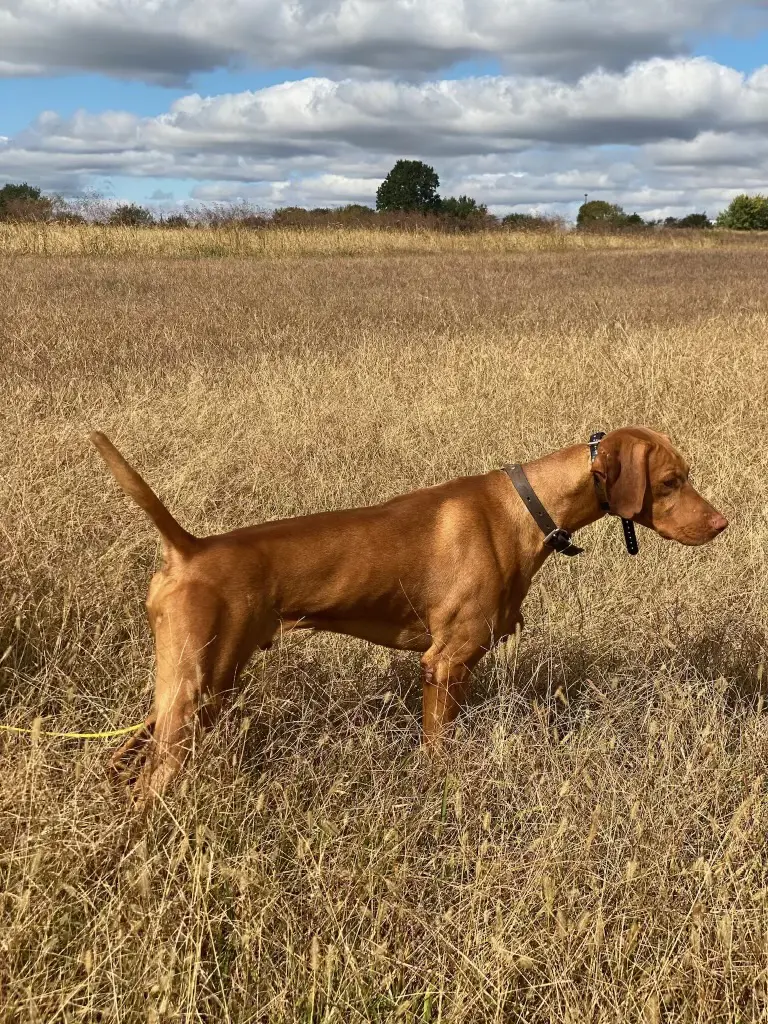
[{"x": 526, "y": 105}]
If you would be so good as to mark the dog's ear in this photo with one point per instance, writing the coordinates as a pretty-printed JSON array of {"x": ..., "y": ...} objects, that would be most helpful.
[{"x": 621, "y": 466}]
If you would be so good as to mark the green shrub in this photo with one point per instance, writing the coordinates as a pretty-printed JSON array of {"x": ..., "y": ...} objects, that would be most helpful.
[
  {"x": 745, "y": 213},
  {"x": 463, "y": 208},
  {"x": 131, "y": 215}
]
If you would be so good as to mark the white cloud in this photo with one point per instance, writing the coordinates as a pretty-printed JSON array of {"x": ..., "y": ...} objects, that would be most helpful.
[
  {"x": 662, "y": 134},
  {"x": 656, "y": 100},
  {"x": 166, "y": 40}
]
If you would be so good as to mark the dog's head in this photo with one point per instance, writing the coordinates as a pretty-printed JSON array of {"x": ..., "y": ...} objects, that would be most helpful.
[{"x": 646, "y": 479}]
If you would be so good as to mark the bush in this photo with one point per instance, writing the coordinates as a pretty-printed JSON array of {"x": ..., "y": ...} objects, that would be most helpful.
[
  {"x": 69, "y": 217},
  {"x": 691, "y": 220},
  {"x": 530, "y": 222},
  {"x": 745, "y": 213},
  {"x": 297, "y": 216},
  {"x": 352, "y": 215},
  {"x": 24, "y": 202},
  {"x": 410, "y": 185},
  {"x": 356, "y": 210},
  {"x": 175, "y": 220},
  {"x": 463, "y": 208},
  {"x": 322, "y": 216},
  {"x": 130, "y": 215},
  {"x": 695, "y": 220},
  {"x": 241, "y": 214}
]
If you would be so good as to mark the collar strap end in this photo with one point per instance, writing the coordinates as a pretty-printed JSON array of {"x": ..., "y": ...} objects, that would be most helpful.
[
  {"x": 630, "y": 537},
  {"x": 561, "y": 542}
]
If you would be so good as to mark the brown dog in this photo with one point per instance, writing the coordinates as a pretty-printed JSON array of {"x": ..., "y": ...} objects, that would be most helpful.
[{"x": 442, "y": 571}]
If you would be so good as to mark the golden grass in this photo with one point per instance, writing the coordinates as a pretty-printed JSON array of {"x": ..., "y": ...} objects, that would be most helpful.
[
  {"x": 31, "y": 239},
  {"x": 591, "y": 847}
]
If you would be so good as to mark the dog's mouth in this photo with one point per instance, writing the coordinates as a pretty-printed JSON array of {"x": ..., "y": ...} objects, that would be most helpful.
[{"x": 691, "y": 538}]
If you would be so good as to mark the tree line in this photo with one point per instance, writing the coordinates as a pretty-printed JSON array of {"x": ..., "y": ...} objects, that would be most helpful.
[{"x": 408, "y": 196}]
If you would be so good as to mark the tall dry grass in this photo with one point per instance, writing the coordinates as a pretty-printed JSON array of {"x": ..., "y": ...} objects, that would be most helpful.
[
  {"x": 591, "y": 845},
  {"x": 232, "y": 238}
]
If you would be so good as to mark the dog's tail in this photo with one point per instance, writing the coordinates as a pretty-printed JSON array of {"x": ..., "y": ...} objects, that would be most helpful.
[{"x": 174, "y": 536}]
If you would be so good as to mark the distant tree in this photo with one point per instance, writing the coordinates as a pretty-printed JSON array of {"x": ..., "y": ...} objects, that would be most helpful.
[
  {"x": 745, "y": 213},
  {"x": 598, "y": 213},
  {"x": 24, "y": 202},
  {"x": 130, "y": 215},
  {"x": 463, "y": 208},
  {"x": 634, "y": 220},
  {"x": 410, "y": 185},
  {"x": 10, "y": 192},
  {"x": 694, "y": 220},
  {"x": 671, "y": 222}
]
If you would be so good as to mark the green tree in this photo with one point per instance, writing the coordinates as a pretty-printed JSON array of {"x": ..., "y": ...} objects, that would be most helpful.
[
  {"x": 410, "y": 185},
  {"x": 598, "y": 213},
  {"x": 24, "y": 202},
  {"x": 463, "y": 208},
  {"x": 130, "y": 215},
  {"x": 745, "y": 213}
]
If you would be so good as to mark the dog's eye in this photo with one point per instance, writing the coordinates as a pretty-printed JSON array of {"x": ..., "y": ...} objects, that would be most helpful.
[{"x": 670, "y": 483}]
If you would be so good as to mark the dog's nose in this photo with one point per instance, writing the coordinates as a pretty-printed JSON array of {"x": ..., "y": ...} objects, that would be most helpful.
[{"x": 718, "y": 522}]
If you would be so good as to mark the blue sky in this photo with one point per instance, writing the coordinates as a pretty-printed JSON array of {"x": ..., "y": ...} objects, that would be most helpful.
[
  {"x": 745, "y": 53},
  {"x": 163, "y": 66}
]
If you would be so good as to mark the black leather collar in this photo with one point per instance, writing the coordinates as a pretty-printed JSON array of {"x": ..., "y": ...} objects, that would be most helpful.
[{"x": 554, "y": 537}]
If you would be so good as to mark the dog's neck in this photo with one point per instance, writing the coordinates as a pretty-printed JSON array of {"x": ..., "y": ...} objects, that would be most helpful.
[{"x": 564, "y": 485}]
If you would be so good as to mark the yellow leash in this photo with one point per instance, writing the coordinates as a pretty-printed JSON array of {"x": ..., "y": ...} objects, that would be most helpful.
[{"x": 73, "y": 735}]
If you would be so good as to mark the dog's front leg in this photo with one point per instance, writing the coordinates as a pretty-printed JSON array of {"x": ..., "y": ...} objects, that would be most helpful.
[
  {"x": 446, "y": 672},
  {"x": 131, "y": 750},
  {"x": 187, "y": 625}
]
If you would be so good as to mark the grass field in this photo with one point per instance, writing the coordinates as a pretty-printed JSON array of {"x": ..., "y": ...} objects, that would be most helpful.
[
  {"x": 590, "y": 847},
  {"x": 237, "y": 239}
]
